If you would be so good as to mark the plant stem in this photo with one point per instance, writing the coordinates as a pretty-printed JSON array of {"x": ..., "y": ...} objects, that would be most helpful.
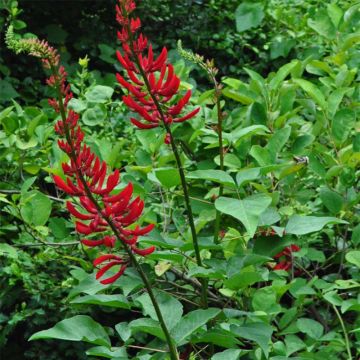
[
  {"x": 133, "y": 259},
  {"x": 347, "y": 343},
  {"x": 221, "y": 154},
  {"x": 178, "y": 163}
]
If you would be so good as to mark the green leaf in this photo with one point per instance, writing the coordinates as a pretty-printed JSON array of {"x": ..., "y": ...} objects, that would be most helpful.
[
  {"x": 116, "y": 301},
  {"x": 192, "y": 322},
  {"x": 278, "y": 141},
  {"x": 312, "y": 91},
  {"x": 258, "y": 332},
  {"x": 7, "y": 91},
  {"x": 229, "y": 354},
  {"x": 247, "y": 211},
  {"x": 94, "y": 116},
  {"x": 356, "y": 143},
  {"x": 242, "y": 95},
  {"x": 36, "y": 208},
  {"x": 118, "y": 353},
  {"x": 99, "y": 94},
  {"x": 217, "y": 176},
  {"x": 248, "y": 15},
  {"x": 149, "y": 326},
  {"x": 342, "y": 124},
  {"x": 331, "y": 200},
  {"x": 123, "y": 330},
  {"x": 355, "y": 236},
  {"x": 246, "y": 175},
  {"x": 170, "y": 307},
  {"x": 353, "y": 257},
  {"x": 323, "y": 25},
  {"x": 281, "y": 74},
  {"x": 77, "y": 328},
  {"x": 168, "y": 177},
  {"x": 310, "y": 327},
  {"x": 77, "y": 105},
  {"x": 8, "y": 251},
  {"x": 271, "y": 246},
  {"x": 243, "y": 279},
  {"x": 301, "y": 225}
]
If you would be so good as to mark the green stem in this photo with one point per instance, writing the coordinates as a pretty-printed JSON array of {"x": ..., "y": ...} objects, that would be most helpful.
[
  {"x": 134, "y": 261},
  {"x": 347, "y": 343},
  {"x": 179, "y": 166}
]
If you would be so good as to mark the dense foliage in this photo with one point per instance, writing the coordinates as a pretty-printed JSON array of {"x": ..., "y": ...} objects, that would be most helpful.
[{"x": 282, "y": 274}]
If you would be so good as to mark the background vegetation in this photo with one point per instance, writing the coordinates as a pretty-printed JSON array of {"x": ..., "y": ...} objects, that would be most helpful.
[{"x": 291, "y": 101}]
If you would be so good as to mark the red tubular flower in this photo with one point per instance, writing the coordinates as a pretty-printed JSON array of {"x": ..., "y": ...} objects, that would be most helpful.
[
  {"x": 149, "y": 94},
  {"x": 98, "y": 211},
  {"x": 285, "y": 257}
]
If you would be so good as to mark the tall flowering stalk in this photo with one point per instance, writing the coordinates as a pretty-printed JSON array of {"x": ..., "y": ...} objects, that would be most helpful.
[
  {"x": 104, "y": 218},
  {"x": 211, "y": 72},
  {"x": 153, "y": 93}
]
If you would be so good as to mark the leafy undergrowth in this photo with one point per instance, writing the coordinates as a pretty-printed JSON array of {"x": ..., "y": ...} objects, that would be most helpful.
[{"x": 281, "y": 271}]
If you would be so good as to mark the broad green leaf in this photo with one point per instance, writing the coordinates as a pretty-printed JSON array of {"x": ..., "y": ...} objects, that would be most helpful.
[
  {"x": 301, "y": 225},
  {"x": 342, "y": 124},
  {"x": 278, "y": 141},
  {"x": 99, "y": 94},
  {"x": 331, "y": 200},
  {"x": 310, "y": 327},
  {"x": 229, "y": 354},
  {"x": 313, "y": 91},
  {"x": 281, "y": 74},
  {"x": 219, "y": 337},
  {"x": 243, "y": 279},
  {"x": 170, "y": 307},
  {"x": 323, "y": 25},
  {"x": 271, "y": 245},
  {"x": 8, "y": 251},
  {"x": 335, "y": 13},
  {"x": 217, "y": 176},
  {"x": 293, "y": 344},
  {"x": 258, "y": 114},
  {"x": 261, "y": 155},
  {"x": 257, "y": 332},
  {"x": 280, "y": 46},
  {"x": 147, "y": 325},
  {"x": 36, "y": 208},
  {"x": 192, "y": 322},
  {"x": 168, "y": 177},
  {"x": 247, "y": 211},
  {"x": 353, "y": 257},
  {"x": 246, "y": 175},
  {"x": 116, "y": 301},
  {"x": 123, "y": 330},
  {"x": 94, "y": 116},
  {"x": 242, "y": 95},
  {"x": 243, "y": 133},
  {"x": 77, "y": 105},
  {"x": 118, "y": 353},
  {"x": 248, "y": 15},
  {"x": 77, "y": 328}
]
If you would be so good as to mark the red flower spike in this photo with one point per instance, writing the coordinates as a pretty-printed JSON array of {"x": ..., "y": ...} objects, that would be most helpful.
[
  {"x": 86, "y": 176},
  {"x": 137, "y": 57}
]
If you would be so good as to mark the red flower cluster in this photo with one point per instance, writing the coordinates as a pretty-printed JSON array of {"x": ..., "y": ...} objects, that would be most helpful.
[
  {"x": 87, "y": 180},
  {"x": 151, "y": 82},
  {"x": 285, "y": 258}
]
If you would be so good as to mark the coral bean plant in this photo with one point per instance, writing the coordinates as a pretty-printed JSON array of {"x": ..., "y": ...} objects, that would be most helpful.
[{"x": 105, "y": 218}]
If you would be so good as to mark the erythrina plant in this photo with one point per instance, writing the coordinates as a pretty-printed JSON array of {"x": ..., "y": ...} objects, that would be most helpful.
[
  {"x": 152, "y": 86},
  {"x": 105, "y": 217}
]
